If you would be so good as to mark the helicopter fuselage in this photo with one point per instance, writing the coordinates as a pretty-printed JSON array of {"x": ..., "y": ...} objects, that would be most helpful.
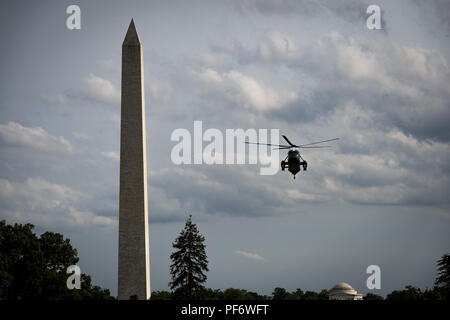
[{"x": 294, "y": 162}]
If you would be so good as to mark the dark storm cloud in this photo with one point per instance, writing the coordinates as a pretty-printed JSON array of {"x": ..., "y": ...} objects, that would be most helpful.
[
  {"x": 350, "y": 10},
  {"x": 403, "y": 85},
  {"x": 439, "y": 10},
  {"x": 302, "y": 111},
  {"x": 94, "y": 89},
  {"x": 404, "y": 88},
  {"x": 237, "y": 50},
  {"x": 48, "y": 204},
  {"x": 216, "y": 190}
]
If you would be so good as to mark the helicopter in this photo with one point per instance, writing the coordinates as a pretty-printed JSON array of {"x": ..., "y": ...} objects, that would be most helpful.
[{"x": 294, "y": 161}]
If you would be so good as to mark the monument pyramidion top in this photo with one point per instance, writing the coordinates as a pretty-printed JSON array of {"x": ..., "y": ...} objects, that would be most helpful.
[{"x": 132, "y": 37}]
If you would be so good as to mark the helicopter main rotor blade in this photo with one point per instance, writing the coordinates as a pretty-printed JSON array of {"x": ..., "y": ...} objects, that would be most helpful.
[
  {"x": 314, "y": 147},
  {"x": 309, "y": 144},
  {"x": 283, "y": 148},
  {"x": 268, "y": 144},
  {"x": 290, "y": 143}
]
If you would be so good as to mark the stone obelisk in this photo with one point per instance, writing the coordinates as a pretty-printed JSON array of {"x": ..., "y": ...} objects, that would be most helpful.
[{"x": 134, "y": 256}]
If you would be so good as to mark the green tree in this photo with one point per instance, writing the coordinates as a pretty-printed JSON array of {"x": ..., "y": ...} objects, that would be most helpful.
[
  {"x": 238, "y": 294},
  {"x": 372, "y": 296},
  {"x": 279, "y": 294},
  {"x": 443, "y": 268},
  {"x": 161, "y": 295},
  {"x": 255, "y": 296},
  {"x": 210, "y": 294},
  {"x": 21, "y": 263},
  {"x": 88, "y": 291},
  {"x": 33, "y": 267},
  {"x": 189, "y": 263},
  {"x": 436, "y": 293},
  {"x": 282, "y": 294},
  {"x": 410, "y": 293},
  {"x": 297, "y": 294},
  {"x": 310, "y": 295},
  {"x": 323, "y": 295}
]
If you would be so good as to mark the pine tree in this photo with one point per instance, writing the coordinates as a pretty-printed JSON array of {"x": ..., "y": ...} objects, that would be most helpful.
[
  {"x": 443, "y": 277},
  {"x": 189, "y": 263}
]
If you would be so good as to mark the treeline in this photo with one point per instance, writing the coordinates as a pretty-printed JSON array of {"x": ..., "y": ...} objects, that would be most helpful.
[
  {"x": 409, "y": 293},
  {"x": 241, "y": 294}
]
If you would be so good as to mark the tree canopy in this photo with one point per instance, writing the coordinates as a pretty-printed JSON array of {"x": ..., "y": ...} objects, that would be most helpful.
[
  {"x": 34, "y": 267},
  {"x": 189, "y": 263},
  {"x": 443, "y": 268}
]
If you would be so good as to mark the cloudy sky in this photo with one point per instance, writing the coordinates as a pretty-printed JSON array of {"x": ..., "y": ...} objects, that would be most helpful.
[{"x": 309, "y": 68}]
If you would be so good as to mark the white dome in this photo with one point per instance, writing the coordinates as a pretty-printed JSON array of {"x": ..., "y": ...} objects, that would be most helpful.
[{"x": 342, "y": 288}]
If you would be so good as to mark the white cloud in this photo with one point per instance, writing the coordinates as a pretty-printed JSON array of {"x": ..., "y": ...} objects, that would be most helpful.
[
  {"x": 87, "y": 219},
  {"x": 298, "y": 195},
  {"x": 246, "y": 90},
  {"x": 47, "y": 204},
  {"x": 394, "y": 68},
  {"x": 278, "y": 45},
  {"x": 209, "y": 59},
  {"x": 402, "y": 86},
  {"x": 59, "y": 98},
  {"x": 197, "y": 178},
  {"x": 209, "y": 75},
  {"x": 97, "y": 89},
  {"x": 102, "y": 90},
  {"x": 111, "y": 155},
  {"x": 115, "y": 117},
  {"x": 106, "y": 64},
  {"x": 411, "y": 81},
  {"x": 249, "y": 255},
  {"x": 33, "y": 137},
  {"x": 372, "y": 165},
  {"x": 215, "y": 190},
  {"x": 256, "y": 95},
  {"x": 80, "y": 136},
  {"x": 160, "y": 90}
]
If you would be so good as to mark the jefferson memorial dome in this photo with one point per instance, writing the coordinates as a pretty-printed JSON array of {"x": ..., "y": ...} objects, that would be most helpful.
[{"x": 343, "y": 291}]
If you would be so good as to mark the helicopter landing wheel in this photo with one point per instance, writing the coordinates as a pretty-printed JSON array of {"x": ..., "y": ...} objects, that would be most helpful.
[
  {"x": 283, "y": 165},
  {"x": 304, "y": 165}
]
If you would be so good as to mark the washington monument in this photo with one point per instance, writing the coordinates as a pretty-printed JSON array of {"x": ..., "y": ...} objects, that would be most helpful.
[{"x": 134, "y": 256}]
